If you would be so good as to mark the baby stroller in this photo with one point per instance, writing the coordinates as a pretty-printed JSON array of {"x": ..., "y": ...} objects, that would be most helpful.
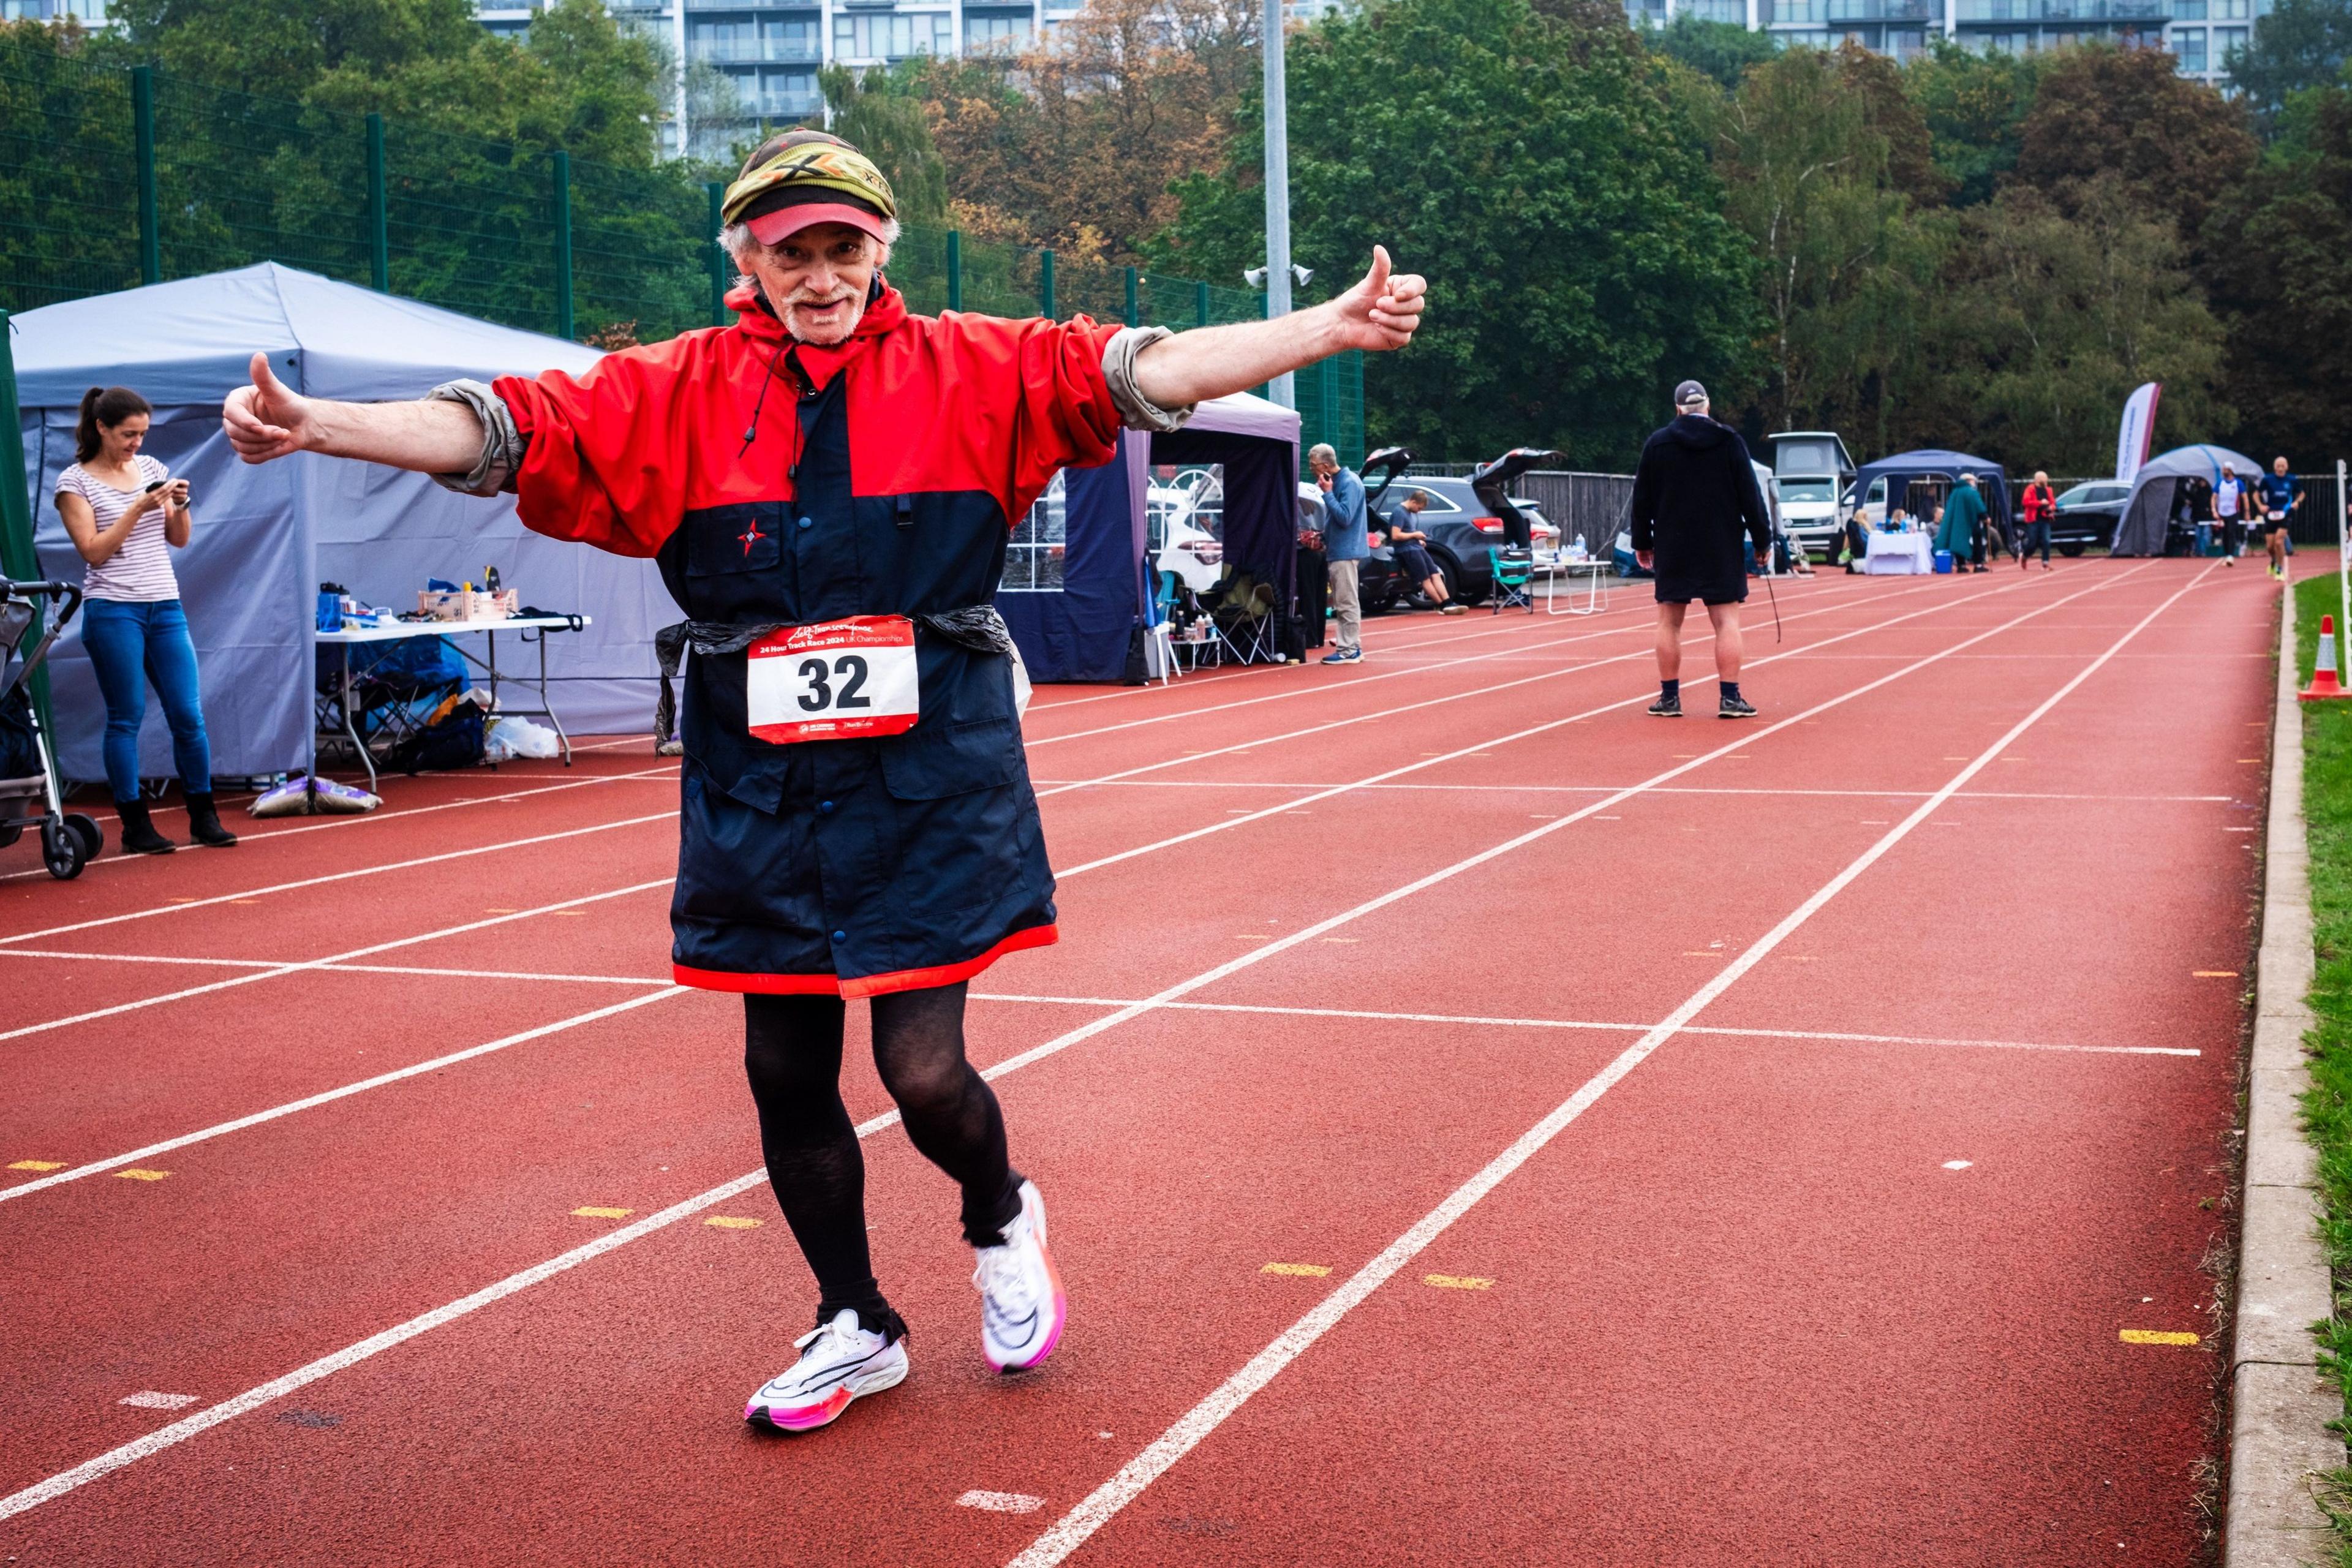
[{"x": 28, "y": 786}]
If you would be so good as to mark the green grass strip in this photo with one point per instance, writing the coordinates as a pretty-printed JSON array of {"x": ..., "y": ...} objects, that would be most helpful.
[{"x": 2328, "y": 1107}]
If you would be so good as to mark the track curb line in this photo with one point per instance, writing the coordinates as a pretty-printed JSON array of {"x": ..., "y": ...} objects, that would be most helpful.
[{"x": 2280, "y": 1404}]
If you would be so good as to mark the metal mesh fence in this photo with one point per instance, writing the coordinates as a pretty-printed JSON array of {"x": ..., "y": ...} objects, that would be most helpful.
[
  {"x": 1590, "y": 507},
  {"x": 111, "y": 178}
]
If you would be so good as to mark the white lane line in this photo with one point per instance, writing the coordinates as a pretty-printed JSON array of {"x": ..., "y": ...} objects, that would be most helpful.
[
  {"x": 328, "y": 1097},
  {"x": 1001, "y": 1502},
  {"x": 1348, "y": 723},
  {"x": 1358, "y": 682},
  {"x": 1104, "y": 1502},
  {"x": 1604, "y": 789},
  {"x": 556, "y": 978},
  {"x": 391, "y": 814},
  {"x": 335, "y": 877},
  {"x": 1471, "y": 1019},
  {"x": 325, "y": 1366},
  {"x": 1478, "y": 748},
  {"x": 421, "y": 969},
  {"x": 250, "y": 976}
]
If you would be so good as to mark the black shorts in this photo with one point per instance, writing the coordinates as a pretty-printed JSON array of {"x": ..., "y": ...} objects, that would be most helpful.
[{"x": 1413, "y": 561}]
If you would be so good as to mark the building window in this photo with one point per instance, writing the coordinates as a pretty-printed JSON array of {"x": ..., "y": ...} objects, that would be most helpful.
[
  {"x": 998, "y": 34},
  {"x": 892, "y": 35},
  {"x": 1732, "y": 10},
  {"x": 2228, "y": 43},
  {"x": 2189, "y": 44}
]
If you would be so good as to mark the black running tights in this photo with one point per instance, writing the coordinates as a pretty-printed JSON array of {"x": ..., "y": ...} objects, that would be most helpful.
[{"x": 792, "y": 1052}]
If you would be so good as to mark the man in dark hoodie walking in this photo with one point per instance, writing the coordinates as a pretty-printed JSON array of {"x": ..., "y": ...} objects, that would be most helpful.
[{"x": 1693, "y": 495}]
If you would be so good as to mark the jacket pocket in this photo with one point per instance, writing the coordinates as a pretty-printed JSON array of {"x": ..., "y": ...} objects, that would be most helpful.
[
  {"x": 925, "y": 764},
  {"x": 724, "y": 540}
]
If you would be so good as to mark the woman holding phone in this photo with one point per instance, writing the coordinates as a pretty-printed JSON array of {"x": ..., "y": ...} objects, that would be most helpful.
[{"x": 125, "y": 515}]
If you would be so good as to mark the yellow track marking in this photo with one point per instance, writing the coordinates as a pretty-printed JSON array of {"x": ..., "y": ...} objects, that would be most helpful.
[
  {"x": 39, "y": 1165},
  {"x": 1304, "y": 1270},
  {"x": 732, "y": 1222},
  {"x": 2154, "y": 1337},
  {"x": 593, "y": 1212},
  {"x": 1457, "y": 1281},
  {"x": 135, "y": 1175},
  {"x": 2213, "y": 974}
]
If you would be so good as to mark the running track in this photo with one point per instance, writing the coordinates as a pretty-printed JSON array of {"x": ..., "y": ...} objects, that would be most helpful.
[{"x": 1688, "y": 1143}]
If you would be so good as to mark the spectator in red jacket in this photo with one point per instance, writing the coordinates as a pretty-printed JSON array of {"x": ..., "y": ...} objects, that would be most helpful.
[{"x": 2041, "y": 508}]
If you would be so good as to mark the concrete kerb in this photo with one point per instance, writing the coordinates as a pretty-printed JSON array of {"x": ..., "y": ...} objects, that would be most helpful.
[{"x": 2280, "y": 1404}]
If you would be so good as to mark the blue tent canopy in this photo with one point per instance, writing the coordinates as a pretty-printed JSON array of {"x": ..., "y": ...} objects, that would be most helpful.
[
  {"x": 265, "y": 537},
  {"x": 1087, "y": 626},
  {"x": 1935, "y": 463}
]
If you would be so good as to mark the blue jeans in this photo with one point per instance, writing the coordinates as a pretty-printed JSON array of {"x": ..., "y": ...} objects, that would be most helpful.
[
  {"x": 2037, "y": 537},
  {"x": 131, "y": 644}
]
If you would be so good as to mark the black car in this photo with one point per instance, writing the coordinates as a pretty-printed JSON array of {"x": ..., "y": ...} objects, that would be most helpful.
[
  {"x": 2088, "y": 515},
  {"x": 1461, "y": 526}
]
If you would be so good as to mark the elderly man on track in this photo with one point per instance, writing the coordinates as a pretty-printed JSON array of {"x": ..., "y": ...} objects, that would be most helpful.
[{"x": 827, "y": 485}]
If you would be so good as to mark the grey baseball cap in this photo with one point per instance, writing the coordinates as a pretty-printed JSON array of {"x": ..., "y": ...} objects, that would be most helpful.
[{"x": 1688, "y": 393}]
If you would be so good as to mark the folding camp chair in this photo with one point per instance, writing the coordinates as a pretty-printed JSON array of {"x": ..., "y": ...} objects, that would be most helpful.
[
  {"x": 1514, "y": 578},
  {"x": 1247, "y": 624}
]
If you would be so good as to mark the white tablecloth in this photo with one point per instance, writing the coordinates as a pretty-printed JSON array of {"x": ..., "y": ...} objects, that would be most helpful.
[{"x": 1899, "y": 554}]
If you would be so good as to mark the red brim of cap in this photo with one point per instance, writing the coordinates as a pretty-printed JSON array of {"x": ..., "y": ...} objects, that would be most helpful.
[{"x": 769, "y": 228}]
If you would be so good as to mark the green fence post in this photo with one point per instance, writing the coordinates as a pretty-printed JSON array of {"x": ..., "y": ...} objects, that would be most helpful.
[
  {"x": 1201, "y": 304},
  {"x": 955, "y": 270},
  {"x": 562, "y": 178},
  {"x": 142, "y": 118},
  {"x": 1045, "y": 285},
  {"x": 718, "y": 255},
  {"x": 17, "y": 559},
  {"x": 1134, "y": 316},
  {"x": 379, "y": 210}
]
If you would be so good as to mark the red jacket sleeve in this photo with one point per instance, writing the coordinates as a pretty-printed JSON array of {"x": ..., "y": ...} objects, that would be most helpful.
[
  {"x": 1027, "y": 399},
  {"x": 607, "y": 463}
]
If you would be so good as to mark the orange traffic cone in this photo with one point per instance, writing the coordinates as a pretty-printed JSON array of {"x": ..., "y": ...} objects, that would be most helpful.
[{"x": 2324, "y": 684}]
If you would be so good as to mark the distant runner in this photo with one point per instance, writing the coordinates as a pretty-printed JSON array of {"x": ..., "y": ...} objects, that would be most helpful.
[
  {"x": 827, "y": 485},
  {"x": 2276, "y": 494}
]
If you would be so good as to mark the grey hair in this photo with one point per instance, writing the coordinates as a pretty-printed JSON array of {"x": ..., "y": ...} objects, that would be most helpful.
[
  {"x": 736, "y": 239},
  {"x": 1321, "y": 453}
]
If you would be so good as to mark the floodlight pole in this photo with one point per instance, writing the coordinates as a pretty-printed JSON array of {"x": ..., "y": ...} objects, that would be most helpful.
[{"x": 1277, "y": 190}]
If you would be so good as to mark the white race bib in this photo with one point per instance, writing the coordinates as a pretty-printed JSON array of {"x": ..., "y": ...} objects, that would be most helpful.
[{"x": 836, "y": 680}]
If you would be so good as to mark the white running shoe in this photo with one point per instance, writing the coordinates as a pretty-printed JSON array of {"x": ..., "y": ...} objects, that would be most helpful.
[
  {"x": 839, "y": 1360},
  {"x": 1022, "y": 1306}
]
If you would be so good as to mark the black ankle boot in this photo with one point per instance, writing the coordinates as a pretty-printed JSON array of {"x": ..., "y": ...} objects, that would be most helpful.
[
  {"x": 204, "y": 823},
  {"x": 139, "y": 835}
]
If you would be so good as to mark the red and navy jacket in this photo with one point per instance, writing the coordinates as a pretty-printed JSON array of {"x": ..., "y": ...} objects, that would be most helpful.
[{"x": 771, "y": 482}]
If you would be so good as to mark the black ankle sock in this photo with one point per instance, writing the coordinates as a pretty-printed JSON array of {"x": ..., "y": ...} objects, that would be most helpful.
[
  {"x": 1730, "y": 689},
  {"x": 1670, "y": 690}
]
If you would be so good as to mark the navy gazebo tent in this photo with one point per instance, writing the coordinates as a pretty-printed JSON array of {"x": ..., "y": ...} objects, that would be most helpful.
[
  {"x": 1933, "y": 463},
  {"x": 1089, "y": 626}
]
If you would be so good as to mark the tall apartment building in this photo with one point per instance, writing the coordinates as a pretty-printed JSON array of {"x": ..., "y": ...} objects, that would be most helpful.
[
  {"x": 2201, "y": 33},
  {"x": 768, "y": 51}
]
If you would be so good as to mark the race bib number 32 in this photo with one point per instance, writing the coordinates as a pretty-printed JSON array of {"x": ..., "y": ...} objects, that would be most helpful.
[{"x": 836, "y": 680}]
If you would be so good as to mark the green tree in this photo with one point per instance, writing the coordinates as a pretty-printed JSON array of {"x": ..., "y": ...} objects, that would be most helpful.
[
  {"x": 2175, "y": 145},
  {"x": 1535, "y": 168},
  {"x": 1845, "y": 268},
  {"x": 1722, "y": 50},
  {"x": 2044, "y": 321},
  {"x": 2301, "y": 44},
  {"x": 1974, "y": 106},
  {"x": 881, "y": 112},
  {"x": 2281, "y": 272},
  {"x": 277, "y": 49}
]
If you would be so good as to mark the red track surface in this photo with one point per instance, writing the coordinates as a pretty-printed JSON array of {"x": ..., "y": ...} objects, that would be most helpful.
[{"x": 1738, "y": 1308}]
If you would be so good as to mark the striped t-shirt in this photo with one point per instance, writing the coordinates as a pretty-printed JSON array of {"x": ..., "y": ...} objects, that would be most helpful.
[{"x": 140, "y": 572}]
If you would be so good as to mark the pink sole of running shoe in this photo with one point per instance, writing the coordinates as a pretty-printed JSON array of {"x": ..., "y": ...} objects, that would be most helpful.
[{"x": 807, "y": 1420}]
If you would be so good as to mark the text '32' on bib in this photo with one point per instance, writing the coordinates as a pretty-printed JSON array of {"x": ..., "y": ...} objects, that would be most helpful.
[{"x": 835, "y": 680}]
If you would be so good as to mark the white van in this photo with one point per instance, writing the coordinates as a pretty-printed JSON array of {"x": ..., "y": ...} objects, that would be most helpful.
[{"x": 1811, "y": 471}]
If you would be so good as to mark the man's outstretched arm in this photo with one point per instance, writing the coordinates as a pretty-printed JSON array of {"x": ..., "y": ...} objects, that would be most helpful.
[
  {"x": 1379, "y": 313},
  {"x": 269, "y": 419}
]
